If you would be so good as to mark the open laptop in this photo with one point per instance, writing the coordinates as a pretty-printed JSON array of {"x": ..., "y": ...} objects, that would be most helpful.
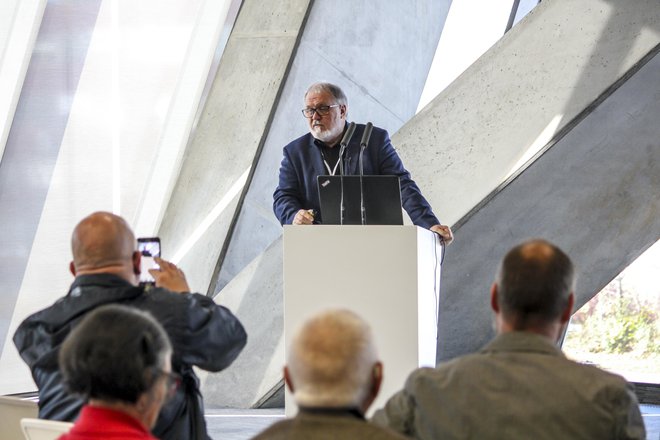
[{"x": 382, "y": 200}]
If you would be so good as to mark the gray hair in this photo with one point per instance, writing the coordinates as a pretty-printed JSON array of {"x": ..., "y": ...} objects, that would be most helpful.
[
  {"x": 115, "y": 354},
  {"x": 331, "y": 360},
  {"x": 330, "y": 88}
]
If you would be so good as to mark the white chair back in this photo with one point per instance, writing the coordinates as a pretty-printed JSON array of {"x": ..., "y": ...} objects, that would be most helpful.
[
  {"x": 38, "y": 429},
  {"x": 12, "y": 410}
]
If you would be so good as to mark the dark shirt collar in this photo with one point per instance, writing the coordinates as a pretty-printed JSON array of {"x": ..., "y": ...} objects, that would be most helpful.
[
  {"x": 338, "y": 411},
  {"x": 99, "y": 279}
]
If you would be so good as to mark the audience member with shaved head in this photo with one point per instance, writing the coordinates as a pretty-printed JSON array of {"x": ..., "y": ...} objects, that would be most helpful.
[
  {"x": 334, "y": 374},
  {"x": 520, "y": 385},
  {"x": 106, "y": 266}
]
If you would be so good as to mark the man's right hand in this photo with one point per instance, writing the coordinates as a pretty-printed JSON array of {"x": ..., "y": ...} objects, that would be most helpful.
[
  {"x": 304, "y": 217},
  {"x": 169, "y": 276}
]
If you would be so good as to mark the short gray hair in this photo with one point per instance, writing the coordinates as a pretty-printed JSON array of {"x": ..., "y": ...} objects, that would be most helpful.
[
  {"x": 331, "y": 360},
  {"x": 115, "y": 354},
  {"x": 333, "y": 89}
]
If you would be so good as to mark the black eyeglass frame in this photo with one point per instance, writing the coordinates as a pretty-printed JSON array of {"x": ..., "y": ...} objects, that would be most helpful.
[
  {"x": 322, "y": 110},
  {"x": 173, "y": 382}
]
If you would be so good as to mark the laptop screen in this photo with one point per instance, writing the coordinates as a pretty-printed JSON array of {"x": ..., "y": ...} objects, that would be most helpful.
[{"x": 381, "y": 194}]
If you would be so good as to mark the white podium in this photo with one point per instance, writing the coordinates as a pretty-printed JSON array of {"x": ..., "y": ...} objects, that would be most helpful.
[{"x": 389, "y": 275}]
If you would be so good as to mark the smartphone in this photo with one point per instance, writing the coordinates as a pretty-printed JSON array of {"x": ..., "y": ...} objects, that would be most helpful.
[{"x": 149, "y": 247}]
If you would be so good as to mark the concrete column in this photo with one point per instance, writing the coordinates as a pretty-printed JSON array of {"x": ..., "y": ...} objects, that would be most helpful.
[
  {"x": 230, "y": 132},
  {"x": 594, "y": 194}
]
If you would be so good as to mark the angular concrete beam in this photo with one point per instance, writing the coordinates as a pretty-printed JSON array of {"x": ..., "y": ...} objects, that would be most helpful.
[
  {"x": 594, "y": 193},
  {"x": 255, "y": 296},
  {"x": 520, "y": 94},
  {"x": 230, "y": 132}
]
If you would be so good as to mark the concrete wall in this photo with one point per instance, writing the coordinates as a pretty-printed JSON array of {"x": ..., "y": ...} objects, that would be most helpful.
[
  {"x": 19, "y": 25},
  {"x": 594, "y": 193},
  {"x": 259, "y": 367},
  {"x": 230, "y": 130},
  {"x": 519, "y": 94}
]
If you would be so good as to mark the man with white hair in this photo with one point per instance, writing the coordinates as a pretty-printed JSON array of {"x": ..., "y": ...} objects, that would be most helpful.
[
  {"x": 296, "y": 199},
  {"x": 334, "y": 373}
]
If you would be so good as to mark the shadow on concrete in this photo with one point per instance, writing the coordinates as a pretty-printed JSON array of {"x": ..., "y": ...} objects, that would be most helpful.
[{"x": 592, "y": 190}]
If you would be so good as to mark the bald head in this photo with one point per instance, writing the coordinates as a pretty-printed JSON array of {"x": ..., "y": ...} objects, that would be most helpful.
[
  {"x": 332, "y": 361},
  {"x": 534, "y": 283},
  {"x": 102, "y": 242}
]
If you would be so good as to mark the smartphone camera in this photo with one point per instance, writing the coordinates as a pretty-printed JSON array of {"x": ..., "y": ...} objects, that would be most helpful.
[{"x": 149, "y": 247}]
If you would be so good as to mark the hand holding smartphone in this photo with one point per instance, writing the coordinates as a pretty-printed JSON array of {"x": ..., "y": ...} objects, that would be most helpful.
[{"x": 149, "y": 247}]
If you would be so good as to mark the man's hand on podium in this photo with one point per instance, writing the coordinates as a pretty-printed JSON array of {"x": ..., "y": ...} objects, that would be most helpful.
[
  {"x": 444, "y": 232},
  {"x": 304, "y": 217}
]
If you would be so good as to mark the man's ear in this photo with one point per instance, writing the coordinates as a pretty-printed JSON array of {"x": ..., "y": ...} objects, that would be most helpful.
[
  {"x": 377, "y": 379},
  {"x": 136, "y": 260},
  {"x": 493, "y": 298},
  {"x": 287, "y": 379},
  {"x": 568, "y": 311},
  {"x": 374, "y": 387},
  {"x": 343, "y": 110},
  {"x": 72, "y": 268}
]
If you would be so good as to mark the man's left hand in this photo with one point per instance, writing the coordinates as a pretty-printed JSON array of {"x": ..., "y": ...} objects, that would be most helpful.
[
  {"x": 169, "y": 276},
  {"x": 444, "y": 231}
]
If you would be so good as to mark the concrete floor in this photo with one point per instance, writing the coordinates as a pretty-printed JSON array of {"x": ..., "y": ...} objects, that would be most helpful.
[{"x": 242, "y": 424}]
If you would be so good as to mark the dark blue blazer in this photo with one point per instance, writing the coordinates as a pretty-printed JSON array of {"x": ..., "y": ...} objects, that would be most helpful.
[{"x": 303, "y": 162}]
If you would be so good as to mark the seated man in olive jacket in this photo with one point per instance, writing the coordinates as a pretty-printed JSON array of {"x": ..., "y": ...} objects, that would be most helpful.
[
  {"x": 106, "y": 266},
  {"x": 520, "y": 385}
]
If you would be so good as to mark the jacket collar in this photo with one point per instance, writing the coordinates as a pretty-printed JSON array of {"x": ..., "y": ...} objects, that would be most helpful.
[
  {"x": 332, "y": 411},
  {"x": 521, "y": 341},
  {"x": 99, "y": 279}
]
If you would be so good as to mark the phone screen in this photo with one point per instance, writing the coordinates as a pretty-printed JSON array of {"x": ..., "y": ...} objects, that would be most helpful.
[{"x": 149, "y": 248}]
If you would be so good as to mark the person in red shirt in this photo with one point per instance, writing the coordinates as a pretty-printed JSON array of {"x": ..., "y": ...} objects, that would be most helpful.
[{"x": 119, "y": 359}]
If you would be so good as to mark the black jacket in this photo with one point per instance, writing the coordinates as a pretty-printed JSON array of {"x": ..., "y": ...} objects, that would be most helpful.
[{"x": 202, "y": 333}]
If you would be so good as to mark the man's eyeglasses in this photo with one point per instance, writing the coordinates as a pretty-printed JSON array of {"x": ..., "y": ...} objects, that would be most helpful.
[
  {"x": 173, "y": 382},
  {"x": 321, "y": 110}
]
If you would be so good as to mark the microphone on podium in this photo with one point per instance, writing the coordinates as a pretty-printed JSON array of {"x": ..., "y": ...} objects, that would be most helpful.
[
  {"x": 342, "y": 147},
  {"x": 366, "y": 135},
  {"x": 343, "y": 143}
]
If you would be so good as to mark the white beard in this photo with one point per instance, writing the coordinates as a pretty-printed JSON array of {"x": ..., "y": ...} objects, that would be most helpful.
[{"x": 325, "y": 135}]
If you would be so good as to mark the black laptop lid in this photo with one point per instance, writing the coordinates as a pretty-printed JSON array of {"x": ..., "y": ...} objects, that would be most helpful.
[{"x": 382, "y": 200}]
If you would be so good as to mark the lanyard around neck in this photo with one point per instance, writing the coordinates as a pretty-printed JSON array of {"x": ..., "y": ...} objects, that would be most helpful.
[{"x": 327, "y": 166}]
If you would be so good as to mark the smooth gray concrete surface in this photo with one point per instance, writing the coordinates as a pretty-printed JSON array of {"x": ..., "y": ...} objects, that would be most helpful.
[
  {"x": 521, "y": 93},
  {"x": 379, "y": 54},
  {"x": 230, "y": 129},
  {"x": 30, "y": 153},
  {"x": 255, "y": 296},
  {"x": 594, "y": 193},
  {"x": 240, "y": 424}
]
